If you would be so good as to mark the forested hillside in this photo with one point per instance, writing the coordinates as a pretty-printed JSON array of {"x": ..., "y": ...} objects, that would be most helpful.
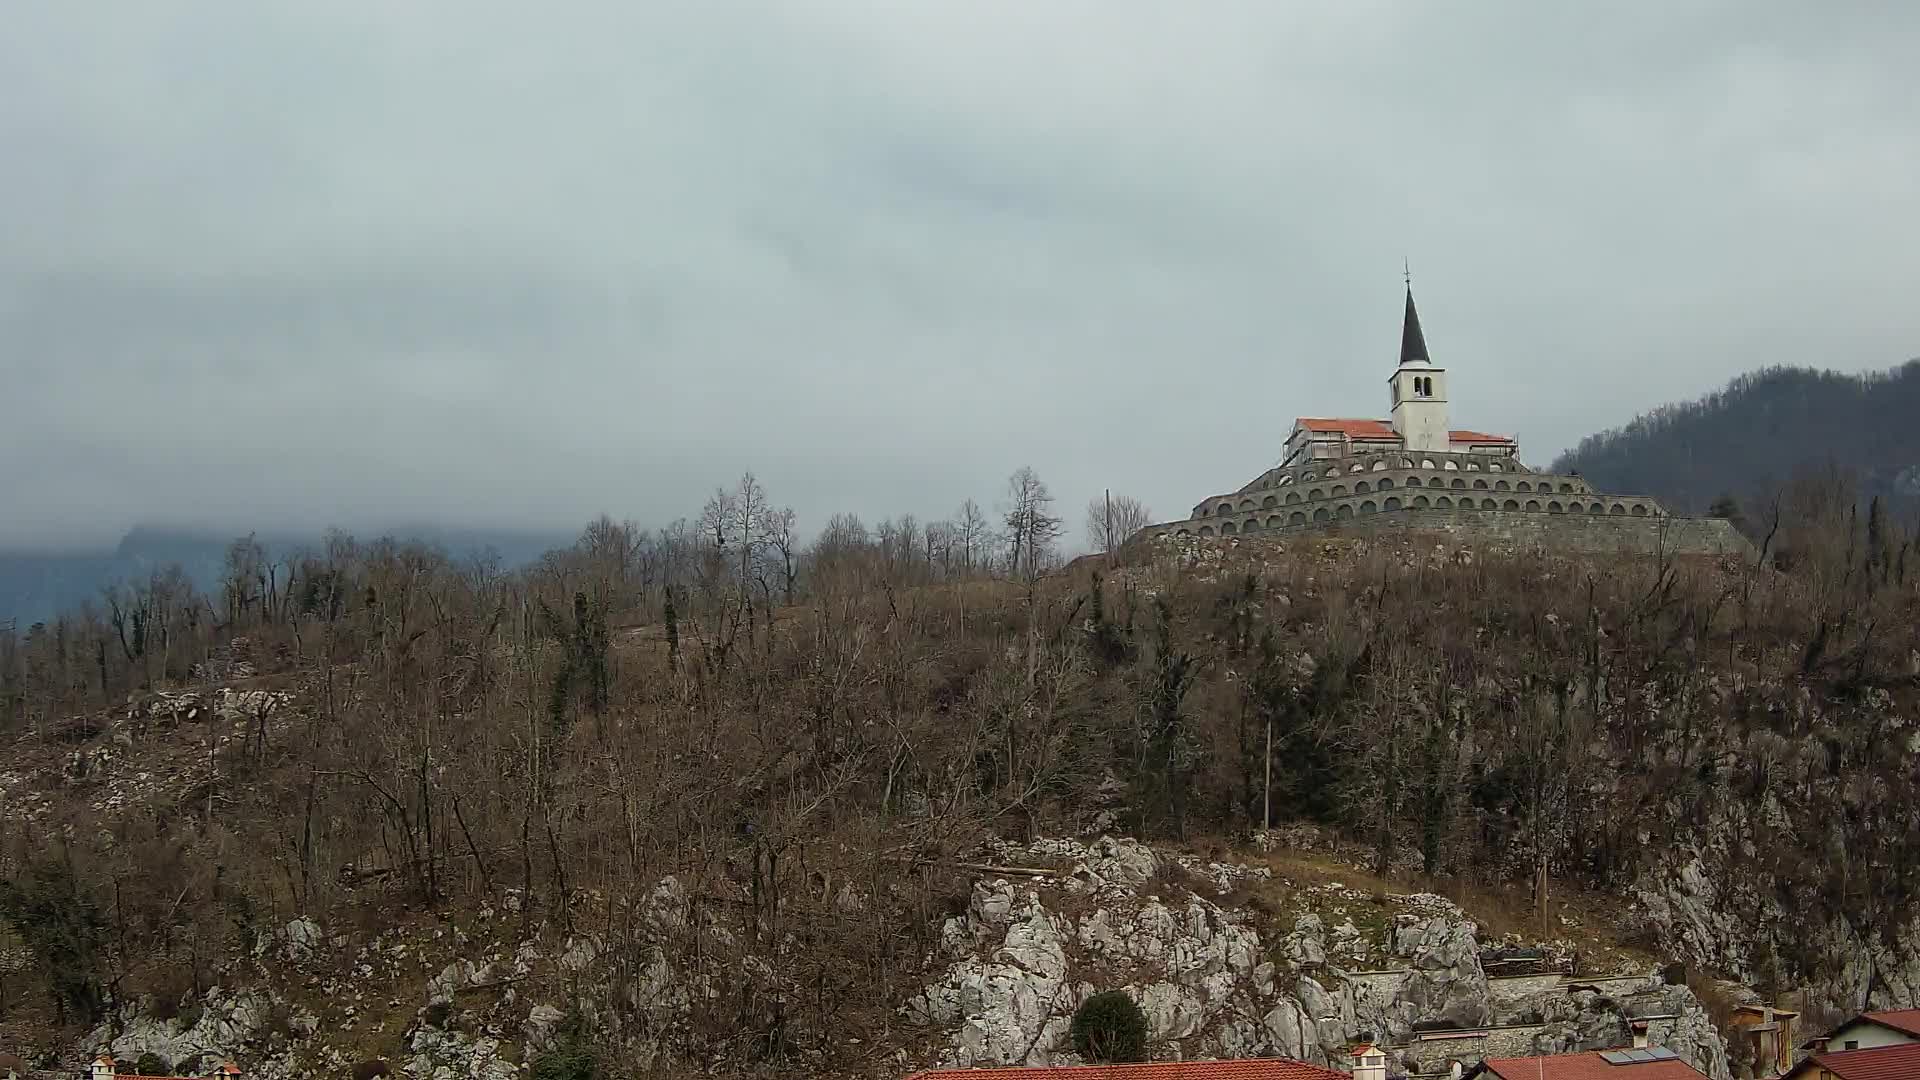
[
  {"x": 733, "y": 785},
  {"x": 1749, "y": 440},
  {"x": 37, "y": 585}
]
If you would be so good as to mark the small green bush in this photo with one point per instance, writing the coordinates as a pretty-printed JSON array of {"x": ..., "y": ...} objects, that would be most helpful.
[
  {"x": 572, "y": 1056},
  {"x": 1109, "y": 1028},
  {"x": 152, "y": 1064}
]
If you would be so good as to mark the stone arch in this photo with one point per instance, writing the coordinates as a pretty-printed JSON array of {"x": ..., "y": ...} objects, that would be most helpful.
[
  {"x": 1533, "y": 505},
  {"x": 1362, "y": 488},
  {"x": 1450, "y": 465},
  {"x": 1226, "y": 508},
  {"x": 1413, "y": 481},
  {"x": 1357, "y": 467},
  {"x": 1473, "y": 466},
  {"x": 1494, "y": 466},
  {"x": 1458, "y": 482},
  {"x": 1287, "y": 479},
  {"x": 1246, "y": 504},
  {"x": 1227, "y": 528},
  {"x": 1274, "y": 522},
  {"x": 1321, "y": 514},
  {"x": 1639, "y": 510},
  {"x": 1488, "y": 504},
  {"x": 1480, "y": 482},
  {"x": 1566, "y": 489},
  {"x": 1509, "y": 505},
  {"x": 1270, "y": 501},
  {"x": 1596, "y": 508},
  {"x": 1617, "y": 510},
  {"x": 1298, "y": 517},
  {"x": 1343, "y": 511},
  {"x": 1368, "y": 507},
  {"x": 1252, "y": 525},
  {"x": 1292, "y": 497},
  {"x": 1524, "y": 486},
  {"x": 1419, "y": 502},
  {"x": 1426, "y": 463},
  {"x": 1316, "y": 493},
  {"x": 1183, "y": 532},
  {"x": 1338, "y": 490},
  {"x": 1502, "y": 485},
  {"x": 1393, "y": 503},
  {"x": 1385, "y": 483},
  {"x": 1206, "y": 530},
  {"x": 1379, "y": 464},
  {"x": 1436, "y": 481},
  {"x": 1554, "y": 507},
  {"x": 1443, "y": 503}
]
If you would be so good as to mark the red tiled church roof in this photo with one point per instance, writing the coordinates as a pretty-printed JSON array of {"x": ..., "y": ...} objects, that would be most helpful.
[
  {"x": 1352, "y": 429},
  {"x": 1901, "y": 1062},
  {"x": 1244, "y": 1069},
  {"x": 1588, "y": 1066},
  {"x": 1381, "y": 429}
]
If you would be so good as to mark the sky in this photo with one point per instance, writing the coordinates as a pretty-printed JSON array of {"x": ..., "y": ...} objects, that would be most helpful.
[{"x": 513, "y": 265}]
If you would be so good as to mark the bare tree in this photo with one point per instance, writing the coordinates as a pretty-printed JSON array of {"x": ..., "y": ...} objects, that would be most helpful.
[
  {"x": 776, "y": 526},
  {"x": 1112, "y": 519},
  {"x": 1031, "y": 527},
  {"x": 971, "y": 533}
]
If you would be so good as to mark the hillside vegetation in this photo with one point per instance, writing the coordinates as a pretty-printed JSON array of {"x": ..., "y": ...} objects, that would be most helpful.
[
  {"x": 813, "y": 744},
  {"x": 1750, "y": 440}
]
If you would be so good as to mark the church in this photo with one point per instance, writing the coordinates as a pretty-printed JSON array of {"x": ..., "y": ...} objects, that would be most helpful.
[{"x": 1415, "y": 471}]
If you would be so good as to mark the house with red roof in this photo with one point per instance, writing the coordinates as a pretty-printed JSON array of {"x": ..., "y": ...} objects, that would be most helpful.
[
  {"x": 1414, "y": 470},
  {"x": 1653, "y": 1063},
  {"x": 1887, "y": 1027},
  {"x": 105, "y": 1068},
  {"x": 1239, "y": 1069},
  {"x": 1898, "y": 1061}
]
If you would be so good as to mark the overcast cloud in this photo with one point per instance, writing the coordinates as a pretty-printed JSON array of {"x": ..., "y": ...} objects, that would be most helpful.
[{"x": 512, "y": 264}]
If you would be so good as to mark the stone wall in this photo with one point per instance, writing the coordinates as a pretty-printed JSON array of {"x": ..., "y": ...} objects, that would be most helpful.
[
  {"x": 1559, "y": 532},
  {"x": 1591, "y": 533}
]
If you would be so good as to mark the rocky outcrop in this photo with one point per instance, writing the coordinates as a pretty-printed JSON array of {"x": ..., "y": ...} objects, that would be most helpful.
[{"x": 1022, "y": 957}]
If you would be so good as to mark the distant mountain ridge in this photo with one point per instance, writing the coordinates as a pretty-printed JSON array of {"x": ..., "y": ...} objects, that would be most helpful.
[
  {"x": 38, "y": 585},
  {"x": 1749, "y": 439}
]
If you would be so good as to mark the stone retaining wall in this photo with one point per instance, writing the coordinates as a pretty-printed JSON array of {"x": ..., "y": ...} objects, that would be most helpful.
[
  {"x": 1592, "y": 533},
  {"x": 1569, "y": 532}
]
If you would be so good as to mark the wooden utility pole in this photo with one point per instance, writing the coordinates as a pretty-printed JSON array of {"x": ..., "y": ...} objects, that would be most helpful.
[{"x": 1266, "y": 795}]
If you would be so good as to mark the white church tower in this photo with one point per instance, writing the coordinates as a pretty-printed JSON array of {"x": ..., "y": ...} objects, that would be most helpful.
[{"x": 1419, "y": 390}]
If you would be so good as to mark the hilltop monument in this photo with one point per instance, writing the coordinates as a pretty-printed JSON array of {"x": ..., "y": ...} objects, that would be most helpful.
[{"x": 1415, "y": 471}]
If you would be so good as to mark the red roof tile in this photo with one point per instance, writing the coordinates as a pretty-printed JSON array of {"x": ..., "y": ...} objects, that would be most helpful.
[
  {"x": 1352, "y": 429},
  {"x": 1900, "y": 1062},
  {"x": 1243, "y": 1069},
  {"x": 1907, "y": 1020},
  {"x": 1588, "y": 1066},
  {"x": 1477, "y": 437}
]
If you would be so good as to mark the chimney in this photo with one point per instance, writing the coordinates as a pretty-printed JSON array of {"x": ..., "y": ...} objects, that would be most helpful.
[
  {"x": 1369, "y": 1062},
  {"x": 1639, "y": 1034},
  {"x": 102, "y": 1068}
]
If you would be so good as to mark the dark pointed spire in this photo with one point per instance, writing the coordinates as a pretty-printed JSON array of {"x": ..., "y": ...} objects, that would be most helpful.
[{"x": 1413, "y": 343}]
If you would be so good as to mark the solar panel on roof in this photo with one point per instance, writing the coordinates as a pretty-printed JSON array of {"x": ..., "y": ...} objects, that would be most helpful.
[
  {"x": 1615, "y": 1057},
  {"x": 1661, "y": 1053}
]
